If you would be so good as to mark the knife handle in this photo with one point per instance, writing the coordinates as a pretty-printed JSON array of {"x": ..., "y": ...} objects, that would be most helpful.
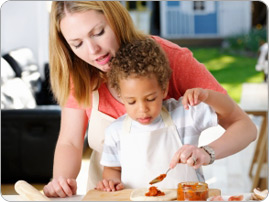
[{"x": 28, "y": 192}]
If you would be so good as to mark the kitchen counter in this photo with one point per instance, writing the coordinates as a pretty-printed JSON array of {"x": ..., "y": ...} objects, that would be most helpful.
[
  {"x": 94, "y": 195},
  {"x": 19, "y": 198}
]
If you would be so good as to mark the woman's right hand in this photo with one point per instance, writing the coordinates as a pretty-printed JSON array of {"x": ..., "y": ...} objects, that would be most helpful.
[{"x": 60, "y": 187}]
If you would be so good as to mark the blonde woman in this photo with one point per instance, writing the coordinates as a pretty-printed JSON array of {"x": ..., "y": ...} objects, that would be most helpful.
[{"x": 84, "y": 36}]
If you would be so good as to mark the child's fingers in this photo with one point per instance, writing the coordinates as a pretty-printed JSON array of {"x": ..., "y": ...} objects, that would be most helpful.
[
  {"x": 119, "y": 187},
  {"x": 106, "y": 185},
  {"x": 111, "y": 185},
  {"x": 100, "y": 186}
]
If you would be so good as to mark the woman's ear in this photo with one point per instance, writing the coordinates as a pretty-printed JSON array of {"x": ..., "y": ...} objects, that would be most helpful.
[{"x": 165, "y": 91}]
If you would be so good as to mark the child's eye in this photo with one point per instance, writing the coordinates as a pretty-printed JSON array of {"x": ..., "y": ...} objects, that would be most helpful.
[
  {"x": 151, "y": 100},
  {"x": 131, "y": 103}
]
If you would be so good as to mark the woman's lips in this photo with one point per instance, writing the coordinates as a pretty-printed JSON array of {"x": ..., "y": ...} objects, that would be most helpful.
[
  {"x": 144, "y": 120},
  {"x": 104, "y": 59}
]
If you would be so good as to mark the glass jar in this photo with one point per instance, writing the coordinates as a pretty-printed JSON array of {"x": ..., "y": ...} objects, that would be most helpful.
[{"x": 192, "y": 191}]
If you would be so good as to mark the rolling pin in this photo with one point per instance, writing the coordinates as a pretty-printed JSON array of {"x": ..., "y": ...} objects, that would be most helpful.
[{"x": 28, "y": 192}]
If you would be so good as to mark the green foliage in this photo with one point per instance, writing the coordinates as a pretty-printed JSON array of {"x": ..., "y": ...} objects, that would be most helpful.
[
  {"x": 246, "y": 43},
  {"x": 231, "y": 71}
]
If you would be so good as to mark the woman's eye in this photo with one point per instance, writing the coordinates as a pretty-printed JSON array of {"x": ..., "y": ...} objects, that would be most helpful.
[
  {"x": 100, "y": 33},
  {"x": 77, "y": 46}
]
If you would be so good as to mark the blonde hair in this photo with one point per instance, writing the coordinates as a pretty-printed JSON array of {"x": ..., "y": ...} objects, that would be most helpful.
[
  {"x": 65, "y": 66},
  {"x": 141, "y": 58}
]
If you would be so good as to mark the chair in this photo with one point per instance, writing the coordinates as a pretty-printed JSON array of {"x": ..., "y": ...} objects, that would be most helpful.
[{"x": 28, "y": 139}]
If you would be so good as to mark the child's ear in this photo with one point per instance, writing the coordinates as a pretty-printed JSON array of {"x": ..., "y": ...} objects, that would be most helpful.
[{"x": 165, "y": 91}]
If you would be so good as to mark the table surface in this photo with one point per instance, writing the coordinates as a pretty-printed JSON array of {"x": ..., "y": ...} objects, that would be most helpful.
[
  {"x": 94, "y": 195},
  {"x": 19, "y": 198}
]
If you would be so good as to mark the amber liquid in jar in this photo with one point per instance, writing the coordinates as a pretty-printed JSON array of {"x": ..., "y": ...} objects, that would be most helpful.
[{"x": 192, "y": 191}]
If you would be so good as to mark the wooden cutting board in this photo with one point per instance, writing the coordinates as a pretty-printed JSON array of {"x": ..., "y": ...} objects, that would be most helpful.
[{"x": 123, "y": 195}]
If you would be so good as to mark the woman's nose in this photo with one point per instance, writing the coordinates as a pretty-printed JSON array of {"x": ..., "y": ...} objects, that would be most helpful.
[{"x": 93, "y": 47}]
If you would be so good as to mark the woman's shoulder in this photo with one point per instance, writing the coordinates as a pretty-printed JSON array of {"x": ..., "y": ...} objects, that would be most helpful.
[{"x": 170, "y": 47}]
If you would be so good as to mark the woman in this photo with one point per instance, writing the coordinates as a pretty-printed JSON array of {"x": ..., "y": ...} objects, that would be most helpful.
[{"x": 84, "y": 36}]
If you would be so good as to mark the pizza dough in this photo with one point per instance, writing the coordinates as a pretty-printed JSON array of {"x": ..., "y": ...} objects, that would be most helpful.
[{"x": 139, "y": 195}]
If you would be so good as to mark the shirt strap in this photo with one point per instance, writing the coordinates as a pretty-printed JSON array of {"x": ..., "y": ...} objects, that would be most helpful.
[
  {"x": 167, "y": 119},
  {"x": 127, "y": 124},
  {"x": 95, "y": 99}
]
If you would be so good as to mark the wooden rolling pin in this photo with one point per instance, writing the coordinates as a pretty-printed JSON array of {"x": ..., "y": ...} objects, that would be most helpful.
[{"x": 28, "y": 192}]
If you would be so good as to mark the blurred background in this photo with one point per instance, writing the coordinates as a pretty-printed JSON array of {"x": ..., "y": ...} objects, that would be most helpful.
[{"x": 229, "y": 37}]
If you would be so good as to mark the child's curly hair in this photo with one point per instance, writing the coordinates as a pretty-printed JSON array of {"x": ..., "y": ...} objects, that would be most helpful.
[{"x": 139, "y": 59}]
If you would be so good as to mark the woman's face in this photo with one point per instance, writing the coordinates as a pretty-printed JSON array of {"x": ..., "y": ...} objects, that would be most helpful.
[{"x": 90, "y": 37}]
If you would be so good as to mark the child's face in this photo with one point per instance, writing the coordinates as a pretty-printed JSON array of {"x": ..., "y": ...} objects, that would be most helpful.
[{"x": 142, "y": 98}]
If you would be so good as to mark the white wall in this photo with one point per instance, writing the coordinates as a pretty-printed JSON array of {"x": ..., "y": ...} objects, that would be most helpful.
[
  {"x": 234, "y": 17},
  {"x": 26, "y": 24}
]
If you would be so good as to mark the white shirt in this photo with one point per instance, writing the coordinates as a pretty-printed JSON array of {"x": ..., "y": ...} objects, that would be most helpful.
[{"x": 189, "y": 123}]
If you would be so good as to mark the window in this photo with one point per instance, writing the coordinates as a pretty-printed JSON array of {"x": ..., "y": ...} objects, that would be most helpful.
[{"x": 198, "y": 5}]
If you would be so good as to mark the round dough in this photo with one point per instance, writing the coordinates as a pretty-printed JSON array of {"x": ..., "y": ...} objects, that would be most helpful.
[{"x": 139, "y": 195}]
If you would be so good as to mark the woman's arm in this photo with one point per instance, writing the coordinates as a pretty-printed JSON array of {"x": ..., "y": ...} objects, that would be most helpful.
[
  {"x": 68, "y": 153},
  {"x": 240, "y": 130}
]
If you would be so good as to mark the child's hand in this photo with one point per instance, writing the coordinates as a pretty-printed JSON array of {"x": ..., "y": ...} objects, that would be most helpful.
[
  {"x": 191, "y": 155},
  {"x": 194, "y": 96},
  {"x": 109, "y": 185}
]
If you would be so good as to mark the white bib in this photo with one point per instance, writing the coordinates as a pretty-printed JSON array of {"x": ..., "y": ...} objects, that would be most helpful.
[
  {"x": 96, "y": 132},
  {"x": 146, "y": 155}
]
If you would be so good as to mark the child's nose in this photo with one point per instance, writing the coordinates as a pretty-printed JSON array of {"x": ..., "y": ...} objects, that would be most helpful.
[{"x": 143, "y": 107}]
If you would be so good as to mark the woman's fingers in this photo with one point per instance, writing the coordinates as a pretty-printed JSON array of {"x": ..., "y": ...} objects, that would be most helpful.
[
  {"x": 59, "y": 188},
  {"x": 175, "y": 160},
  {"x": 73, "y": 185},
  {"x": 193, "y": 97},
  {"x": 48, "y": 190},
  {"x": 190, "y": 155}
]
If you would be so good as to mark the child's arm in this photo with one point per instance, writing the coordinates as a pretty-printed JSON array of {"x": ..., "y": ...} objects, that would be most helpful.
[
  {"x": 230, "y": 116},
  {"x": 111, "y": 180}
]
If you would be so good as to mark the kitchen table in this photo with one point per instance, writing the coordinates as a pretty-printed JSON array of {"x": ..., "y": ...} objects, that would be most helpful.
[
  {"x": 94, "y": 195},
  {"x": 19, "y": 198}
]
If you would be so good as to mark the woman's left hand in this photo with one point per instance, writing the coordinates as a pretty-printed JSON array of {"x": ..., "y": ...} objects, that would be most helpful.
[
  {"x": 194, "y": 96},
  {"x": 191, "y": 155}
]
